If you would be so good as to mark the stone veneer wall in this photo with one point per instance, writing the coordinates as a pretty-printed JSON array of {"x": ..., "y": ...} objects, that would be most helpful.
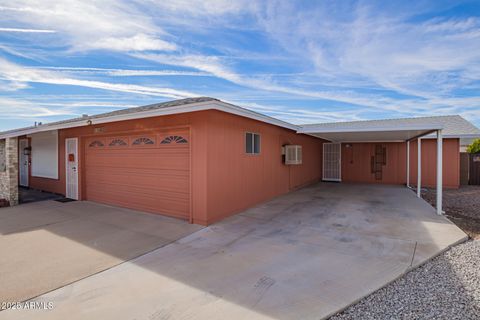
[
  {"x": 3, "y": 157},
  {"x": 3, "y": 173},
  {"x": 9, "y": 176}
]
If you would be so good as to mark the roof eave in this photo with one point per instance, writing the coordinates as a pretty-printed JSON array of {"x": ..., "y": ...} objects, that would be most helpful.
[
  {"x": 455, "y": 136},
  {"x": 320, "y": 130}
]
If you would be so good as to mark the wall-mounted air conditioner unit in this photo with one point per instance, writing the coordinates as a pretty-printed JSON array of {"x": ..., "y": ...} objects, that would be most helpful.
[{"x": 293, "y": 154}]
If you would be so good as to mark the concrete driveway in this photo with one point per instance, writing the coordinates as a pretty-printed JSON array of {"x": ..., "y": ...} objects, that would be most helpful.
[
  {"x": 48, "y": 244},
  {"x": 304, "y": 255}
]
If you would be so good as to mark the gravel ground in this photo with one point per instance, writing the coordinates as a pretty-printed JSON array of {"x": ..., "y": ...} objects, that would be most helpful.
[
  {"x": 461, "y": 206},
  {"x": 447, "y": 287}
]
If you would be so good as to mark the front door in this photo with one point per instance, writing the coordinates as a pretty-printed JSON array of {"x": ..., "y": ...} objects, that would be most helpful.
[
  {"x": 332, "y": 162},
  {"x": 71, "y": 154},
  {"x": 23, "y": 162}
]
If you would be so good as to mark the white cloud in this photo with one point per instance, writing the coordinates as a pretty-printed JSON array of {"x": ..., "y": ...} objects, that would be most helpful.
[
  {"x": 26, "y": 30},
  {"x": 15, "y": 73},
  {"x": 202, "y": 8},
  {"x": 127, "y": 72},
  {"x": 379, "y": 46},
  {"x": 84, "y": 104},
  {"x": 419, "y": 104},
  {"x": 7, "y": 86},
  {"x": 17, "y": 108},
  {"x": 300, "y": 115},
  {"x": 376, "y": 60},
  {"x": 89, "y": 24},
  {"x": 139, "y": 42},
  {"x": 214, "y": 66},
  {"x": 210, "y": 64}
]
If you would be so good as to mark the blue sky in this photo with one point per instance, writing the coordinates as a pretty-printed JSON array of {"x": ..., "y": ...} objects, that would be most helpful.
[{"x": 303, "y": 62}]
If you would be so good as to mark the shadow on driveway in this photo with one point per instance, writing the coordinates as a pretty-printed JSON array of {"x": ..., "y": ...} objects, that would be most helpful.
[{"x": 303, "y": 255}]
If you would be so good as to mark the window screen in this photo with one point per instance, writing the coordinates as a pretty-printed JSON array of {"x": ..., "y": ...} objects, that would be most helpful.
[
  {"x": 256, "y": 143},
  {"x": 252, "y": 143},
  {"x": 249, "y": 142}
]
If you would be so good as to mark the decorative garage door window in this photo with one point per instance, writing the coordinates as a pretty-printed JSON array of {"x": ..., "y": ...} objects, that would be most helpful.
[
  {"x": 174, "y": 139},
  {"x": 117, "y": 142},
  {"x": 144, "y": 141},
  {"x": 96, "y": 144}
]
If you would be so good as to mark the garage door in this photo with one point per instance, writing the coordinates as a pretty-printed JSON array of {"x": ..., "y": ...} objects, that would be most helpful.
[{"x": 148, "y": 172}]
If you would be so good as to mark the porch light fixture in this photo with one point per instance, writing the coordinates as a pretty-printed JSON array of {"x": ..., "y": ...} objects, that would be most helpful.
[{"x": 27, "y": 151}]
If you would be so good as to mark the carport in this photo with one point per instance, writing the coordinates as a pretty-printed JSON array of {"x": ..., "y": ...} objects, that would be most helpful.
[{"x": 377, "y": 131}]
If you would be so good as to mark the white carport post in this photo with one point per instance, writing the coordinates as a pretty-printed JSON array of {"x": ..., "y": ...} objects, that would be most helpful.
[
  {"x": 419, "y": 167},
  {"x": 408, "y": 164},
  {"x": 439, "y": 171}
]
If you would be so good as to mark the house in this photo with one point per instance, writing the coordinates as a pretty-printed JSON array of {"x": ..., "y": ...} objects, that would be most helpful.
[{"x": 202, "y": 159}]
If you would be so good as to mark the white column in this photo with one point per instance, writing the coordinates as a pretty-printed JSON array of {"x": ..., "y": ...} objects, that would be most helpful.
[
  {"x": 419, "y": 167},
  {"x": 439, "y": 171},
  {"x": 408, "y": 164}
]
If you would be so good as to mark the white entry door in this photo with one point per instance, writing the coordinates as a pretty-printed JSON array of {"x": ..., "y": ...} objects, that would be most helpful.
[
  {"x": 71, "y": 161},
  {"x": 23, "y": 162},
  {"x": 332, "y": 161}
]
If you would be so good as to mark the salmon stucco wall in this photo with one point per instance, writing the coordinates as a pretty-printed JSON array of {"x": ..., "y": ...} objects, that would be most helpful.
[
  {"x": 356, "y": 165},
  {"x": 451, "y": 163},
  {"x": 237, "y": 180}
]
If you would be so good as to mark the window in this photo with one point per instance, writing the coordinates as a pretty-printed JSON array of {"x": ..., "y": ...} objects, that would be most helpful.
[
  {"x": 143, "y": 141},
  {"x": 96, "y": 144},
  {"x": 252, "y": 143},
  {"x": 117, "y": 143},
  {"x": 176, "y": 139}
]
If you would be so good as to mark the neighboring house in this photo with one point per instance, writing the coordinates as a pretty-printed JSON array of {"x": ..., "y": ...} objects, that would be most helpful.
[{"x": 202, "y": 159}]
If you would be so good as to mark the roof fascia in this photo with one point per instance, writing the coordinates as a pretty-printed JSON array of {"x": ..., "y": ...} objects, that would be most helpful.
[{"x": 363, "y": 129}]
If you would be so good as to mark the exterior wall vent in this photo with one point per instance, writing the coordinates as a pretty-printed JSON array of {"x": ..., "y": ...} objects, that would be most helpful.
[{"x": 293, "y": 154}]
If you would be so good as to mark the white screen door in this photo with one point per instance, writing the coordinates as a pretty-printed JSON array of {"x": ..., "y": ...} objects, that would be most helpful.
[
  {"x": 71, "y": 160},
  {"x": 23, "y": 162},
  {"x": 332, "y": 162}
]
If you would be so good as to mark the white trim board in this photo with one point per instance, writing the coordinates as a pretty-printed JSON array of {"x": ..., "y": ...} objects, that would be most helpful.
[{"x": 320, "y": 129}]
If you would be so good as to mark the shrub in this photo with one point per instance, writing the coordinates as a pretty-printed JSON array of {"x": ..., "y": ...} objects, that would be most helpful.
[{"x": 474, "y": 147}]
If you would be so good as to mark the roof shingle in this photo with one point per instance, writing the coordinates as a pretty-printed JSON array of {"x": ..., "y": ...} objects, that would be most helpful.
[{"x": 453, "y": 125}]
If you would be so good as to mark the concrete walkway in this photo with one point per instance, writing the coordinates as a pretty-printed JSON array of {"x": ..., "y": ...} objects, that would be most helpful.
[
  {"x": 48, "y": 244},
  {"x": 304, "y": 255}
]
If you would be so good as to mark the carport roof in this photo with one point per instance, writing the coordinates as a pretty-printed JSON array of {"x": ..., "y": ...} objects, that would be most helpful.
[{"x": 380, "y": 130}]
